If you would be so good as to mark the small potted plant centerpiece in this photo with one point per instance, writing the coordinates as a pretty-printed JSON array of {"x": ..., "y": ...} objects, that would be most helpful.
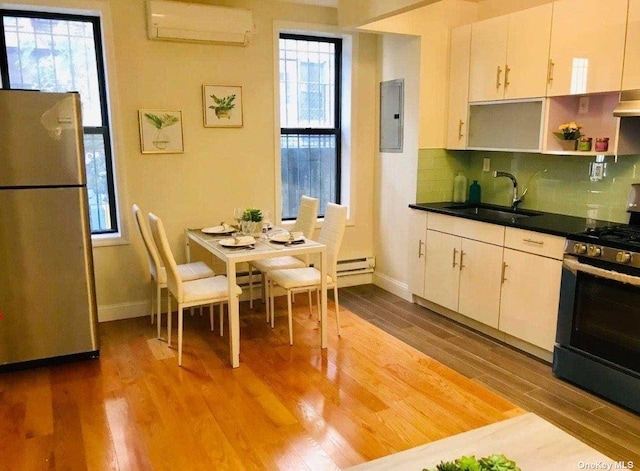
[
  {"x": 569, "y": 133},
  {"x": 251, "y": 219}
]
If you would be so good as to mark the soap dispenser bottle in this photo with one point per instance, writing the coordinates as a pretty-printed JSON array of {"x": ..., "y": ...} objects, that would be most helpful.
[
  {"x": 474, "y": 192},
  {"x": 460, "y": 188}
]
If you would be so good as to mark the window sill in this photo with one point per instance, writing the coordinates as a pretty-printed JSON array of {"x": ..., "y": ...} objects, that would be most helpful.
[{"x": 108, "y": 240}]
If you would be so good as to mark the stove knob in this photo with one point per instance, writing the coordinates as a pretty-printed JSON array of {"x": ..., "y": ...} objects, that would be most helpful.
[
  {"x": 594, "y": 251},
  {"x": 579, "y": 249},
  {"x": 623, "y": 257}
]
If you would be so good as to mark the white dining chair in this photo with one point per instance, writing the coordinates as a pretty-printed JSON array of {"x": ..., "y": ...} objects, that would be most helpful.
[
  {"x": 305, "y": 223},
  {"x": 303, "y": 279},
  {"x": 188, "y": 271},
  {"x": 204, "y": 291}
]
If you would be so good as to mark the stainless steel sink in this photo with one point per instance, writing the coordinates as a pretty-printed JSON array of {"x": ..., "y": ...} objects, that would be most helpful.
[{"x": 492, "y": 212}]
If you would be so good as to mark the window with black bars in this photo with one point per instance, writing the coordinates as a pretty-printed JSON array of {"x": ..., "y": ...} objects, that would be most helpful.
[
  {"x": 54, "y": 52},
  {"x": 309, "y": 120}
]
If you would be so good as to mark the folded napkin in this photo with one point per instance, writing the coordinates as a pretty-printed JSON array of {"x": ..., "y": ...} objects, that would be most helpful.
[{"x": 243, "y": 240}]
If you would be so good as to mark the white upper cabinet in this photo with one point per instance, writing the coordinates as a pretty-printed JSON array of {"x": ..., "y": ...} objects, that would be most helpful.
[
  {"x": 509, "y": 55},
  {"x": 458, "y": 87},
  {"x": 488, "y": 57},
  {"x": 631, "y": 71},
  {"x": 587, "y": 46},
  {"x": 528, "y": 52}
]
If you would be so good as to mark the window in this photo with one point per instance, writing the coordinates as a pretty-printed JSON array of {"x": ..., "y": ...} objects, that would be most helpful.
[
  {"x": 309, "y": 120},
  {"x": 58, "y": 53}
]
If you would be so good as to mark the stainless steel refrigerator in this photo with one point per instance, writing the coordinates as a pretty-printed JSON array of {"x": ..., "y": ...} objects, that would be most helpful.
[{"x": 47, "y": 291}]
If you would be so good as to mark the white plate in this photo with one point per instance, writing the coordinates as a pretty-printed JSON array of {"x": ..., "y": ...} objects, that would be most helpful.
[
  {"x": 223, "y": 229},
  {"x": 284, "y": 237},
  {"x": 243, "y": 241}
]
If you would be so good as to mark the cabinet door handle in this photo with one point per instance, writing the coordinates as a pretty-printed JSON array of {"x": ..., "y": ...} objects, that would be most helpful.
[
  {"x": 461, "y": 255},
  {"x": 552, "y": 66},
  {"x": 498, "y": 73},
  {"x": 532, "y": 241},
  {"x": 455, "y": 252},
  {"x": 420, "y": 245},
  {"x": 506, "y": 76},
  {"x": 504, "y": 268},
  {"x": 460, "y": 124}
]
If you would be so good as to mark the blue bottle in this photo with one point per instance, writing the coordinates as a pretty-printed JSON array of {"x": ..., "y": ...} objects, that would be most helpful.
[{"x": 474, "y": 192}]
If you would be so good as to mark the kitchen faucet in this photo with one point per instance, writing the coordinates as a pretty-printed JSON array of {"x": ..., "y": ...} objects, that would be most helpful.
[{"x": 516, "y": 200}]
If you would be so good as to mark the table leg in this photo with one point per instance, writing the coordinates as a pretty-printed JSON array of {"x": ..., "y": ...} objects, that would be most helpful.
[
  {"x": 323, "y": 301},
  {"x": 234, "y": 316},
  {"x": 187, "y": 246}
]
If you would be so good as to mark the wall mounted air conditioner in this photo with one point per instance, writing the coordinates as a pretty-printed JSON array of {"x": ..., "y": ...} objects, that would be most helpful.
[{"x": 196, "y": 22}]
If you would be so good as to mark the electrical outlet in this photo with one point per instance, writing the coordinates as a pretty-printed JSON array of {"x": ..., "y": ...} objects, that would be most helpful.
[
  {"x": 486, "y": 164},
  {"x": 583, "y": 105}
]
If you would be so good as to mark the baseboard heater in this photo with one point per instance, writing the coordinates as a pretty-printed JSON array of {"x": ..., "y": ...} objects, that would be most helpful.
[{"x": 356, "y": 266}]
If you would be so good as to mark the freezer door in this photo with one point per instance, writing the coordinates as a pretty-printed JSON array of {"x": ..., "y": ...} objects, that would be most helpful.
[
  {"x": 41, "y": 139},
  {"x": 47, "y": 289}
]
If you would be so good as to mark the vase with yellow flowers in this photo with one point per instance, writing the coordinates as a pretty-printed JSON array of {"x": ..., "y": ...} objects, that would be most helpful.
[{"x": 569, "y": 133}]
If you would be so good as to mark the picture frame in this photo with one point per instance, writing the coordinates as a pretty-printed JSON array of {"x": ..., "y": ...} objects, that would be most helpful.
[
  {"x": 222, "y": 106},
  {"x": 161, "y": 132}
]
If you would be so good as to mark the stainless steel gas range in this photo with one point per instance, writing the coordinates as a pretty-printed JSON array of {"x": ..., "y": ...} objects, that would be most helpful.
[{"x": 598, "y": 336}]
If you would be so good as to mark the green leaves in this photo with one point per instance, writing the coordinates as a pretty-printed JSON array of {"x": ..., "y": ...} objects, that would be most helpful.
[
  {"x": 226, "y": 103},
  {"x": 252, "y": 214},
  {"x": 162, "y": 121},
  {"x": 498, "y": 463},
  {"x": 469, "y": 463}
]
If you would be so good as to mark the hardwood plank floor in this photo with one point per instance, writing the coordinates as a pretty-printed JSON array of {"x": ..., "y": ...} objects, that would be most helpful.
[
  {"x": 519, "y": 378},
  {"x": 388, "y": 384}
]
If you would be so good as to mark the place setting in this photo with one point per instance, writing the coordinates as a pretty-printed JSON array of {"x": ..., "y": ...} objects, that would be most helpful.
[{"x": 286, "y": 238}]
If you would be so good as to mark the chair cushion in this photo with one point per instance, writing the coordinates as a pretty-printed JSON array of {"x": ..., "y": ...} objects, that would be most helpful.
[
  {"x": 206, "y": 290},
  {"x": 278, "y": 263},
  {"x": 194, "y": 271},
  {"x": 298, "y": 277},
  {"x": 188, "y": 272}
]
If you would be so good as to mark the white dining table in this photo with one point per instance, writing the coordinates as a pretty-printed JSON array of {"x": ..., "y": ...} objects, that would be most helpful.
[{"x": 262, "y": 249}]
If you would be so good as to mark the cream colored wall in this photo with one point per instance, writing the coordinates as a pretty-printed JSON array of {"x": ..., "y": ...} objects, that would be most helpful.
[
  {"x": 395, "y": 178},
  {"x": 220, "y": 168}
]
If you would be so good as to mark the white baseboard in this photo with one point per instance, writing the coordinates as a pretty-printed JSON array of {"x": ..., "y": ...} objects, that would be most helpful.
[
  {"x": 393, "y": 286},
  {"x": 116, "y": 312}
]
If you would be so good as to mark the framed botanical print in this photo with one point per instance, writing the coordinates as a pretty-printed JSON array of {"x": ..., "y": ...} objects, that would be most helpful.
[
  {"x": 160, "y": 132},
  {"x": 222, "y": 106}
]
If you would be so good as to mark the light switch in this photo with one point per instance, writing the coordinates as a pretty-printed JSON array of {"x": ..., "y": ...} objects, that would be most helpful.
[
  {"x": 583, "y": 105},
  {"x": 486, "y": 164}
]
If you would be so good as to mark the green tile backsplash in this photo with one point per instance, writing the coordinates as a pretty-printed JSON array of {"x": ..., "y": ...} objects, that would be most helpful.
[{"x": 565, "y": 187}]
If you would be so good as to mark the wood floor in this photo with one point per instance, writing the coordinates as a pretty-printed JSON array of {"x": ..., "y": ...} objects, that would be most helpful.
[
  {"x": 371, "y": 393},
  {"x": 525, "y": 381}
]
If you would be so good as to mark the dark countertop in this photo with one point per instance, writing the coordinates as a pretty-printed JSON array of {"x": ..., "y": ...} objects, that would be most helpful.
[{"x": 548, "y": 223}]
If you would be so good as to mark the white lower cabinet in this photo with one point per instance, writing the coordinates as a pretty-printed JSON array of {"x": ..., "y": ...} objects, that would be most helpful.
[
  {"x": 480, "y": 269},
  {"x": 505, "y": 278},
  {"x": 417, "y": 241},
  {"x": 531, "y": 286},
  {"x": 442, "y": 270},
  {"x": 463, "y": 274}
]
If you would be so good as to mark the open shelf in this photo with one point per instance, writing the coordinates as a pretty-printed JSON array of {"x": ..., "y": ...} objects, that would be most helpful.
[{"x": 596, "y": 118}]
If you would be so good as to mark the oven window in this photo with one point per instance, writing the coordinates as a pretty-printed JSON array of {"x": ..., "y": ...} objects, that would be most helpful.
[{"x": 607, "y": 320}]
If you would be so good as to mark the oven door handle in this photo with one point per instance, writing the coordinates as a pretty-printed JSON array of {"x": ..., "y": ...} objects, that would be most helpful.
[{"x": 575, "y": 266}]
